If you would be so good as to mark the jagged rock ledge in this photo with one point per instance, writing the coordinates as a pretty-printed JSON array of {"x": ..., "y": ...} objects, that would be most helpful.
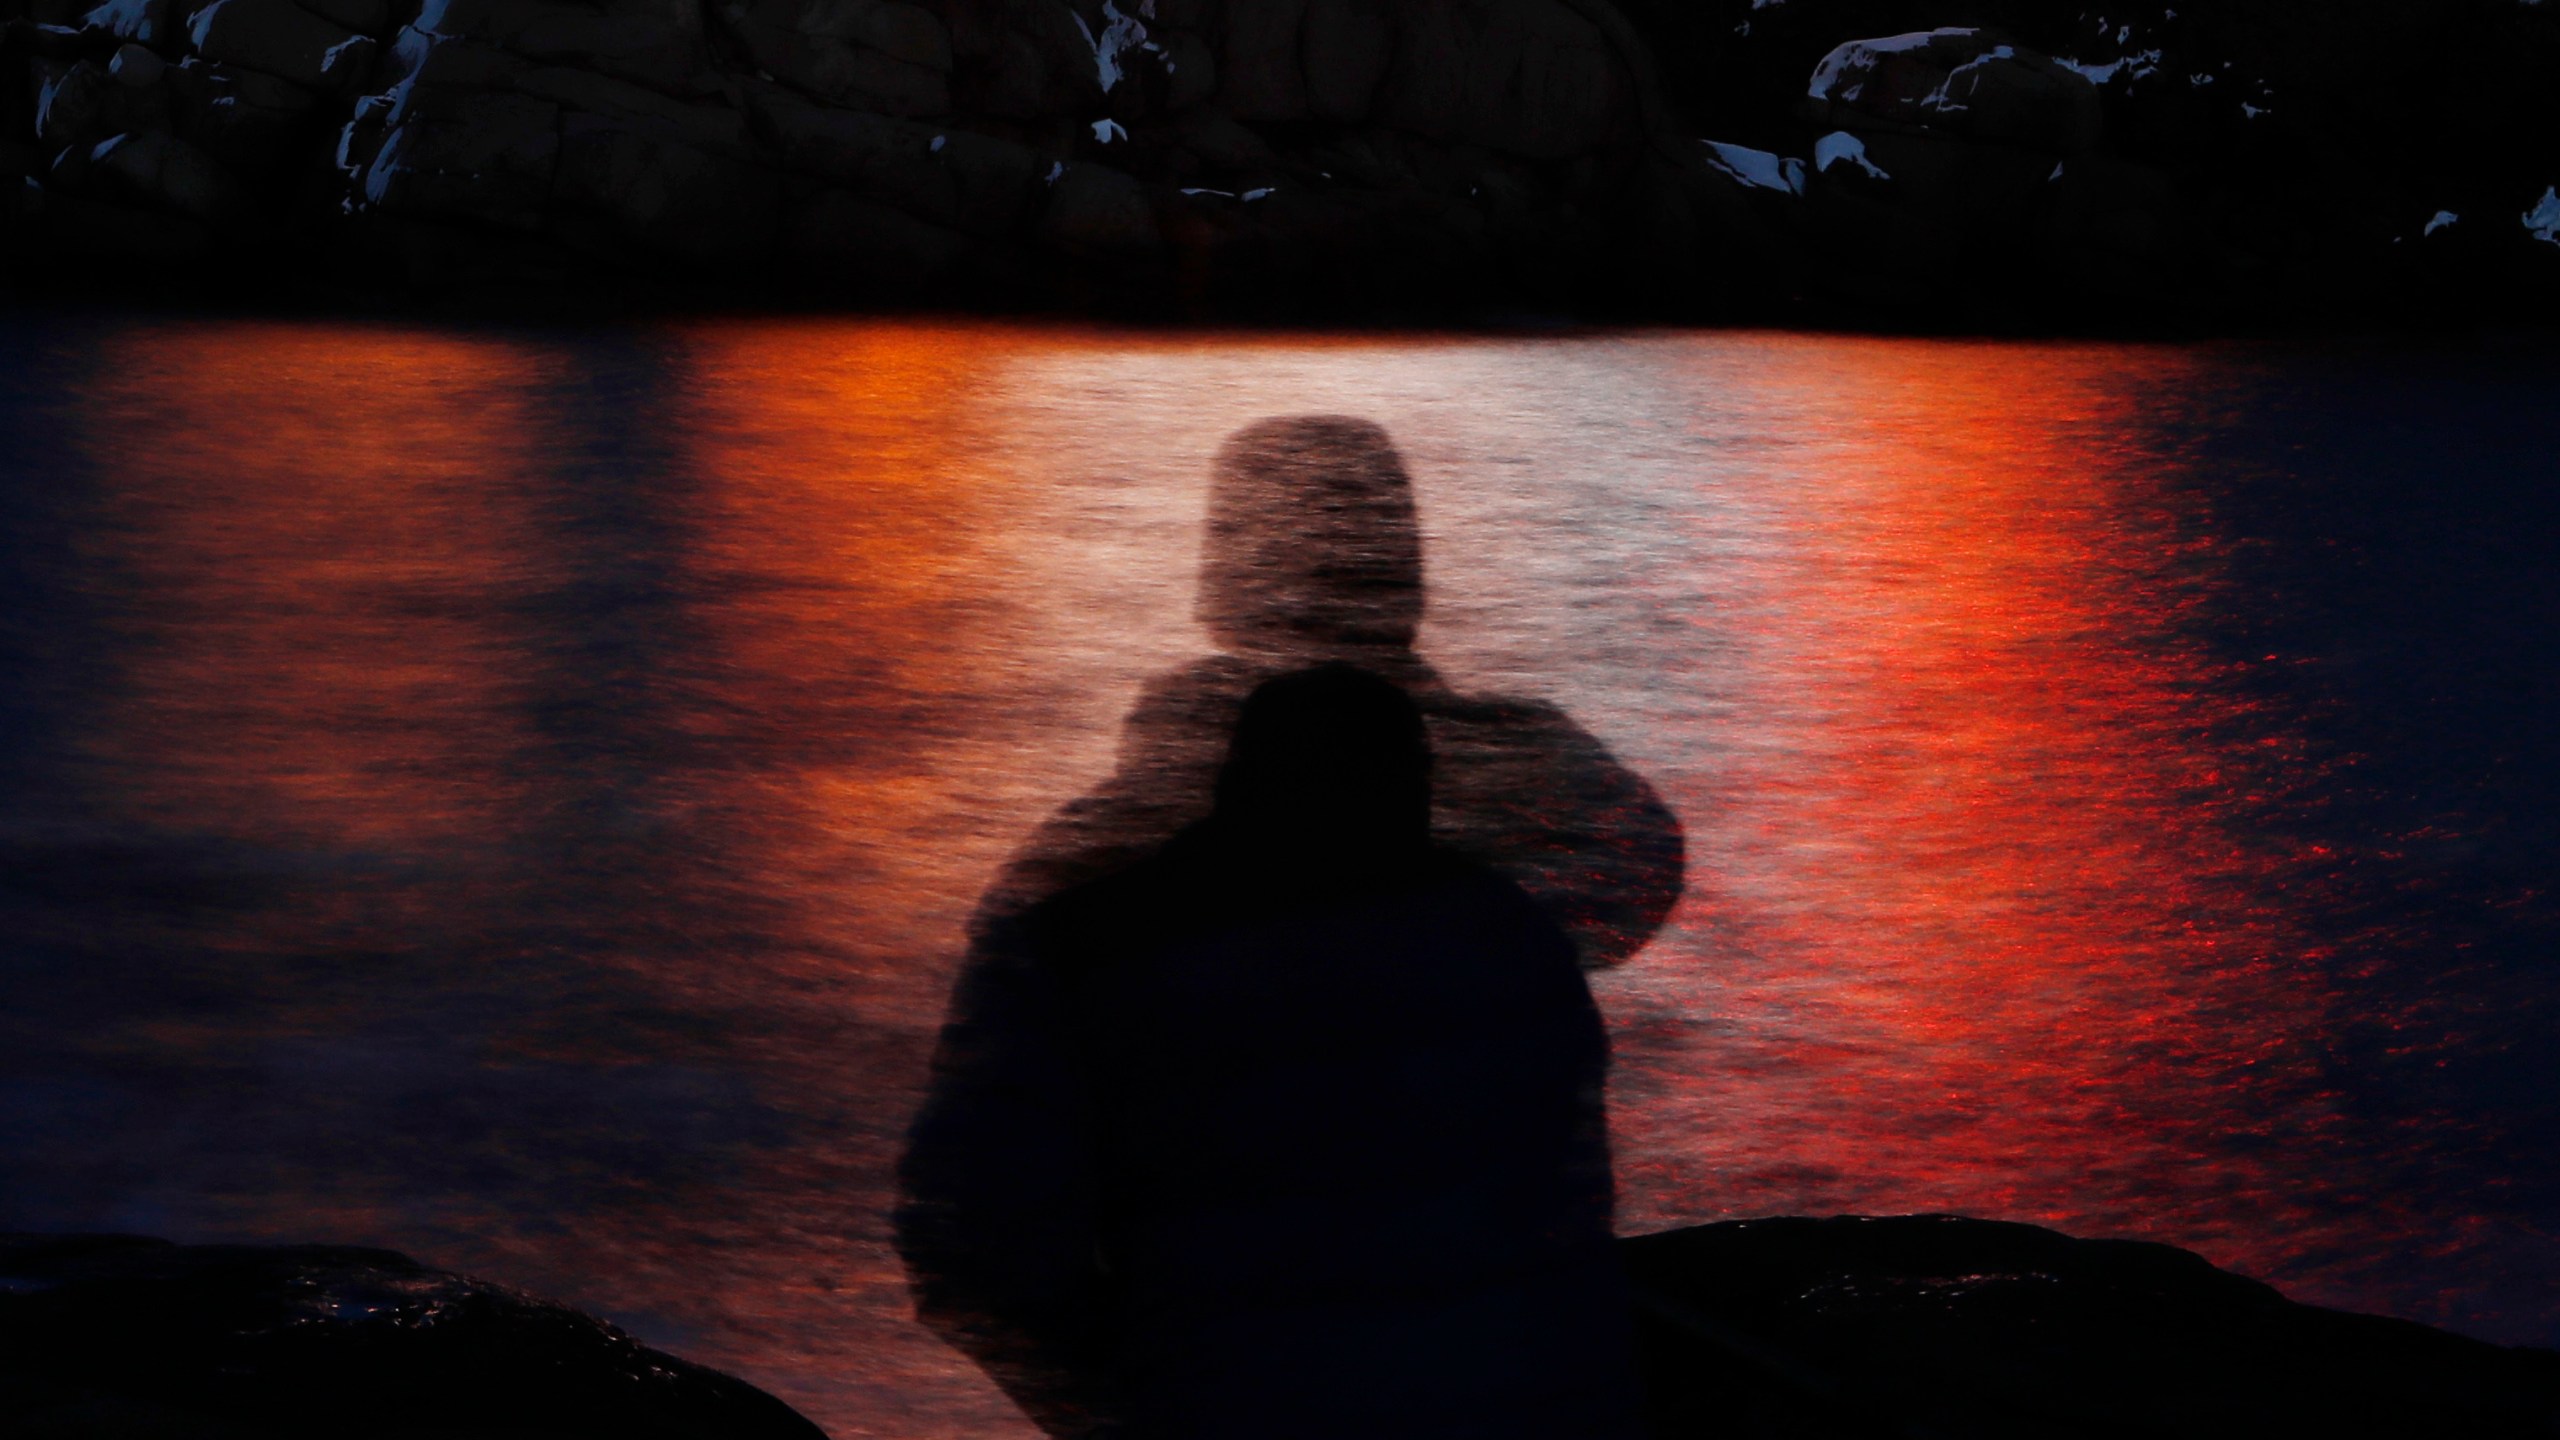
[{"x": 113, "y": 1337}]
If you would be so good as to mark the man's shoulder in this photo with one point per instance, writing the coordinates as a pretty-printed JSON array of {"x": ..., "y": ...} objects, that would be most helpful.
[{"x": 1493, "y": 898}]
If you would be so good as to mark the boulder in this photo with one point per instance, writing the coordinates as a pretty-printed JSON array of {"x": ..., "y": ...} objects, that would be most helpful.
[
  {"x": 1098, "y": 212},
  {"x": 1967, "y": 83},
  {"x": 849, "y": 244},
  {"x": 424, "y": 57},
  {"x": 148, "y": 22},
  {"x": 1944, "y": 181},
  {"x": 245, "y": 118},
  {"x": 280, "y": 38},
  {"x": 623, "y": 191},
  {"x": 141, "y": 92},
  {"x": 72, "y": 103},
  {"x": 1543, "y": 81},
  {"x": 658, "y": 43},
  {"x": 1532, "y": 78},
  {"x": 897, "y": 162},
  {"x": 2116, "y": 222},
  {"x": 365, "y": 17},
  {"x": 1985, "y": 191},
  {"x": 995, "y": 184},
  {"x": 1221, "y": 143},
  {"x": 977, "y": 184},
  {"x": 1022, "y": 60},
  {"x": 1261, "y": 75},
  {"x": 1190, "y": 70},
  {"x": 119, "y": 1336},
  {"x": 161, "y": 171},
  {"x": 1936, "y": 1325},
  {"x": 473, "y": 131},
  {"x": 79, "y": 102},
  {"x": 455, "y": 154},
  {"x": 714, "y": 129},
  {"x": 1345, "y": 47},
  {"x": 136, "y": 67},
  {"x": 882, "y": 55}
]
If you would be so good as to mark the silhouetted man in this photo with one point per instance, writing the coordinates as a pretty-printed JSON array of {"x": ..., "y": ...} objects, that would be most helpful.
[
  {"x": 1293, "y": 1129},
  {"x": 1313, "y": 554}
]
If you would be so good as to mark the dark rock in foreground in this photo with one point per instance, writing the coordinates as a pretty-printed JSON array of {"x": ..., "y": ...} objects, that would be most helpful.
[
  {"x": 115, "y": 1336},
  {"x": 1910, "y": 1326},
  {"x": 1930, "y": 1325}
]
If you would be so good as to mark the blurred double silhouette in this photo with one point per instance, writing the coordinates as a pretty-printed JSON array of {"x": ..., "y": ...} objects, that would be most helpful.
[{"x": 1269, "y": 1103}]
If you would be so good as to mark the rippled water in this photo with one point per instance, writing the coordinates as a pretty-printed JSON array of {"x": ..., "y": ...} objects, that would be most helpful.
[{"x": 515, "y": 796}]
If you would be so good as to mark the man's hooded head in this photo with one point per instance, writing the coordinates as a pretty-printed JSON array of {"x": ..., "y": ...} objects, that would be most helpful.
[
  {"x": 1330, "y": 768},
  {"x": 1312, "y": 546}
]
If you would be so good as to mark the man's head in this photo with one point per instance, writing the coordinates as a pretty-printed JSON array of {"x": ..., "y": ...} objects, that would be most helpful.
[
  {"x": 1331, "y": 764},
  {"x": 1312, "y": 546}
]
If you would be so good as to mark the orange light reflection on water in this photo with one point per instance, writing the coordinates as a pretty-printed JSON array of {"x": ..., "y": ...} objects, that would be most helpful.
[
  {"x": 314, "y": 521},
  {"x": 1998, "y": 951},
  {"x": 1972, "y": 925}
]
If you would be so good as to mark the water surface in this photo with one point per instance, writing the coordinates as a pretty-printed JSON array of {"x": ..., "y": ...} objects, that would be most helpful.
[{"x": 515, "y": 796}]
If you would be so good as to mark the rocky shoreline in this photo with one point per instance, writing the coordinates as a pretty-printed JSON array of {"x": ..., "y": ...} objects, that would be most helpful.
[
  {"x": 1845, "y": 1327},
  {"x": 1209, "y": 159}
]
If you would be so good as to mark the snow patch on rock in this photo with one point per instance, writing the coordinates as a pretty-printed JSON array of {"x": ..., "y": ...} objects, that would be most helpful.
[
  {"x": 2131, "y": 67},
  {"x": 1756, "y": 168},
  {"x": 1121, "y": 33},
  {"x": 1826, "y": 76},
  {"x": 1841, "y": 147},
  {"x": 2543, "y": 220}
]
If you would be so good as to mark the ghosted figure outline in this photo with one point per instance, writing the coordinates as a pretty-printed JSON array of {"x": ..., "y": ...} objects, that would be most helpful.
[
  {"x": 1313, "y": 553},
  {"x": 1269, "y": 1098}
]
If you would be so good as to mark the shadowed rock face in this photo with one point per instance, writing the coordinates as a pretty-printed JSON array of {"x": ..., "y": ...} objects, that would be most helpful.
[
  {"x": 1280, "y": 158},
  {"x": 1936, "y": 1325},
  {"x": 111, "y": 1336},
  {"x": 1170, "y": 152},
  {"x": 1974, "y": 84}
]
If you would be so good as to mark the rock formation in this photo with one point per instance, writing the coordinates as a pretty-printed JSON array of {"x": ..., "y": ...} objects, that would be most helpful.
[
  {"x": 1838, "y": 1329},
  {"x": 1935, "y": 1325},
  {"x": 1174, "y": 155},
  {"x": 1275, "y": 159},
  {"x": 112, "y": 1336}
]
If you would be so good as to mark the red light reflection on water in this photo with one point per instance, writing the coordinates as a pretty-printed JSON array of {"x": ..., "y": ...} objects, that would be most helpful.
[
  {"x": 1988, "y": 945},
  {"x": 320, "y": 528},
  {"x": 1970, "y": 924}
]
